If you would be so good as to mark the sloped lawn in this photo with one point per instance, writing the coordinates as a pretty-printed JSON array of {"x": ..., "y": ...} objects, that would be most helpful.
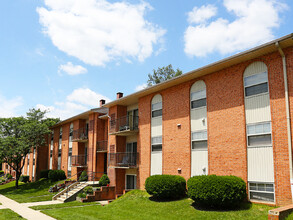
[
  {"x": 8, "y": 214},
  {"x": 137, "y": 205},
  {"x": 29, "y": 192}
]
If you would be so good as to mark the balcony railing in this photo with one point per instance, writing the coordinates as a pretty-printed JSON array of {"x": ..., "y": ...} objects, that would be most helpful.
[
  {"x": 102, "y": 146},
  {"x": 79, "y": 160},
  {"x": 126, "y": 123},
  {"x": 124, "y": 159},
  {"x": 80, "y": 135}
]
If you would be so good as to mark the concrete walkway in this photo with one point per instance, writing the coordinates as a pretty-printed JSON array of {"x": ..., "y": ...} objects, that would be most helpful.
[
  {"x": 51, "y": 202},
  {"x": 22, "y": 210}
]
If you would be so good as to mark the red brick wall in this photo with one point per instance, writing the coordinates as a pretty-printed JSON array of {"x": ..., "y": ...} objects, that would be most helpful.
[
  {"x": 65, "y": 147},
  {"x": 226, "y": 125}
]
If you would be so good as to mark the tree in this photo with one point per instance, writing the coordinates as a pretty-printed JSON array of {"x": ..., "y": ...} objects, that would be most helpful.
[
  {"x": 19, "y": 135},
  {"x": 162, "y": 74}
]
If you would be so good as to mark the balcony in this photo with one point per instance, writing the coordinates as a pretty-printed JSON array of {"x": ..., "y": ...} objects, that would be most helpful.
[
  {"x": 124, "y": 126},
  {"x": 102, "y": 146},
  {"x": 80, "y": 135},
  {"x": 79, "y": 160},
  {"x": 123, "y": 160}
]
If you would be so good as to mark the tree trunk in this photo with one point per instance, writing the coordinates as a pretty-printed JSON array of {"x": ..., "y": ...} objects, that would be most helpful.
[{"x": 17, "y": 175}]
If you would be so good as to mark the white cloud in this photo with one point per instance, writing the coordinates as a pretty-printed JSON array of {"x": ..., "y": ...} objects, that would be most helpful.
[
  {"x": 71, "y": 69},
  {"x": 9, "y": 107},
  {"x": 253, "y": 25},
  {"x": 141, "y": 87},
  {"x": 97, "y": 31},
  {"x": 78, "y": 101},
  {"x": 202, "y": 14}
]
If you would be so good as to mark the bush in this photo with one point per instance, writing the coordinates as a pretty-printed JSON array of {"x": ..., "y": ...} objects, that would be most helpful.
[
  {"x": 166, "y": 186},
  {"x": 24, "y": 179},
  {"x": 1, "y": 172},
  {"x": 83, "y": 176},
  {"x": 104, "y": 180},
  {"x": 88, "y": 190},
  {"x": 8, "y": 176},
  {"x": 217, "y": 191},
  {"x": 81, "y": 195},
  {"x": 55, "y": 175},
  {"x": 44, "y": 174}
]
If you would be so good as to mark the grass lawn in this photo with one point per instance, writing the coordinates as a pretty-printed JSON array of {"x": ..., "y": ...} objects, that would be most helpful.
[
  {"x": 64, "y": 205},
  {"x": 8, "y": 214},
  {"x": 29, "y": 192},
  {"x": 137, "y": 205}
]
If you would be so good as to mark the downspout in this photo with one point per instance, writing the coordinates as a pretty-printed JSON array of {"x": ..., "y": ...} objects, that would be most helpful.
[{"x": 287, "y": 113}]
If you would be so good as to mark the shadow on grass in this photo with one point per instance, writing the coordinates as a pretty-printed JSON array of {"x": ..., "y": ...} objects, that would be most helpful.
[
  {"x": 154, "y": 199},
  {"x": 243, "y": 206},
  {"x": 28, "y": 187}
]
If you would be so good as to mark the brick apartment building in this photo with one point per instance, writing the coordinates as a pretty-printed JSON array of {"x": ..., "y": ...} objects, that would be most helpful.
[{"x": 232, "y": 117}]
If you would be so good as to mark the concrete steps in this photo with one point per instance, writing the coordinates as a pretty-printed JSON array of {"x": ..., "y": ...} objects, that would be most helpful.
[{"x": 70, "y": 193}]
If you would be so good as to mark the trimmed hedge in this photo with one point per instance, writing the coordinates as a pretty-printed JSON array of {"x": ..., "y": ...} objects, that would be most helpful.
[
  {"x": 24, "y": 178},
  {"x": 88, "y": 190},
  {"x": 44, "y": 174},
  {"x": 104, "y": 180},
  {"x": 217, "y": 191},
  {"x": 1, "y": 172},
  {"x": 55, "y": 175},
  {"x": 166, "y": 186},
  {"x": 83, "y": 176}
]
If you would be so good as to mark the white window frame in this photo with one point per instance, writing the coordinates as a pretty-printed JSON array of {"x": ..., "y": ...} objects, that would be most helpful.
[
  {"x": 155, "y": 144},
  {"x": 134, "y": 182},
  {"x": 157, "y": 109},
  {"x": 259, "y": 134},
  {"x": 199, "y": 139},
  {"x": 255, "y": 84},
  {"x": 258, "y": 191},
  {"x": 201, "y": 94}
]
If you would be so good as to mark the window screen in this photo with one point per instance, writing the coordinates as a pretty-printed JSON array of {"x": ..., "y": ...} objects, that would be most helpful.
[
  {"x": 257, "y": 89},
  {"x": 198, "y": 99},
  {"x": 199, "y": 103},
  {"x": 259, "y": 140},
  {"x": 256, "y": 84},
  {"x": 261, "y": 191}
]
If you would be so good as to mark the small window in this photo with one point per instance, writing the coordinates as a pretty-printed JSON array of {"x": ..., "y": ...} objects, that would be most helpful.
[
  {"x": 256, "y": 84},
  {"x": 157, "y": 109},
  {"x": 198, "y": 99},
  {"x": 130, "y": 182},
  {"x": 261, "y": 191},
  {"x": 259, "y": 135},
  {"x": 71, "y": 130},
  {"x": 157, "y": 143},
  {"x": 60, "y": 134},
  {"x": 199, "y": 140}
]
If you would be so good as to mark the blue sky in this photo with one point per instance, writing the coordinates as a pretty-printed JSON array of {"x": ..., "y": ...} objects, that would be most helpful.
[{"x": 66, "y": 55}]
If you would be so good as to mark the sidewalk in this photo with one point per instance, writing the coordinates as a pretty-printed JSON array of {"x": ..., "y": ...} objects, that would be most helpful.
[{"x": 23, "y": 210}]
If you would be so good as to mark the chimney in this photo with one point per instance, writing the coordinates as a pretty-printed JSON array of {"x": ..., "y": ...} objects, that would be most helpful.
[
  {"x": 102, "y": 102},
  {"x": 119, "y": 95}
]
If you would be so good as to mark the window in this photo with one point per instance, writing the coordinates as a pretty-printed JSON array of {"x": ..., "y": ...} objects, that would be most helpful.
[
  {"x": 156, "y": 109},
  {"x": 130, "y": 182},
  {"x": 198, "y": 99},
  {"x": 199, "y": 140},
  {"x": 157, "y": 143},
  {"x": 256, "y": 84},
  {"x": 261, "y": 191},
  {"x": 131, "y": 147},
  {"x": 259, "y": 135}
]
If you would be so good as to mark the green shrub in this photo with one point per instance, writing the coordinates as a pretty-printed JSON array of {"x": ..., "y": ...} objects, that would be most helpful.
[
  {"x": 1, "y": 172},
  {"x": 83, "y": 176},
  {"x": 55, "y": 175},
  {"x": 217, "y": 191},
  {"x": 44, "y": 174},
  {"x": 104, "y": 180},
  {"x": 81, "y": 195},
  {"x": 8, "y": 176},
  {"x": 166, "y": 186},
  {"x": 24, "y": 179},
  {"x": 88, "y": 190}
]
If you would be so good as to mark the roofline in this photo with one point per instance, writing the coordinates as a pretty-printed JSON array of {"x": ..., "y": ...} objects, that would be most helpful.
[
  {"x": 79, "y": 116},
  {"x": 186, "y": 76}
]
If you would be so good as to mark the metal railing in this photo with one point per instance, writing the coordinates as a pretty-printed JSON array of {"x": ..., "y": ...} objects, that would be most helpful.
[
  {"x": 125, "y": 159},
  {"x": 102, "y": 146},
  {"x": 124, "y": 123},
  {"x": 80, "y": 134},
  {"x": 79, "y": 160}
]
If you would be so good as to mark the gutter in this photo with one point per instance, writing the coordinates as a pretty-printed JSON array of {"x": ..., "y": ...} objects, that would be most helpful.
[{"x": 287, "y": 112}]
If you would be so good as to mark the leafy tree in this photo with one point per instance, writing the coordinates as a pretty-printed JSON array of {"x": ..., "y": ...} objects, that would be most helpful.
[
  {"x": 162, "y": 74},
  {"x": 19, "y": 135}
]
